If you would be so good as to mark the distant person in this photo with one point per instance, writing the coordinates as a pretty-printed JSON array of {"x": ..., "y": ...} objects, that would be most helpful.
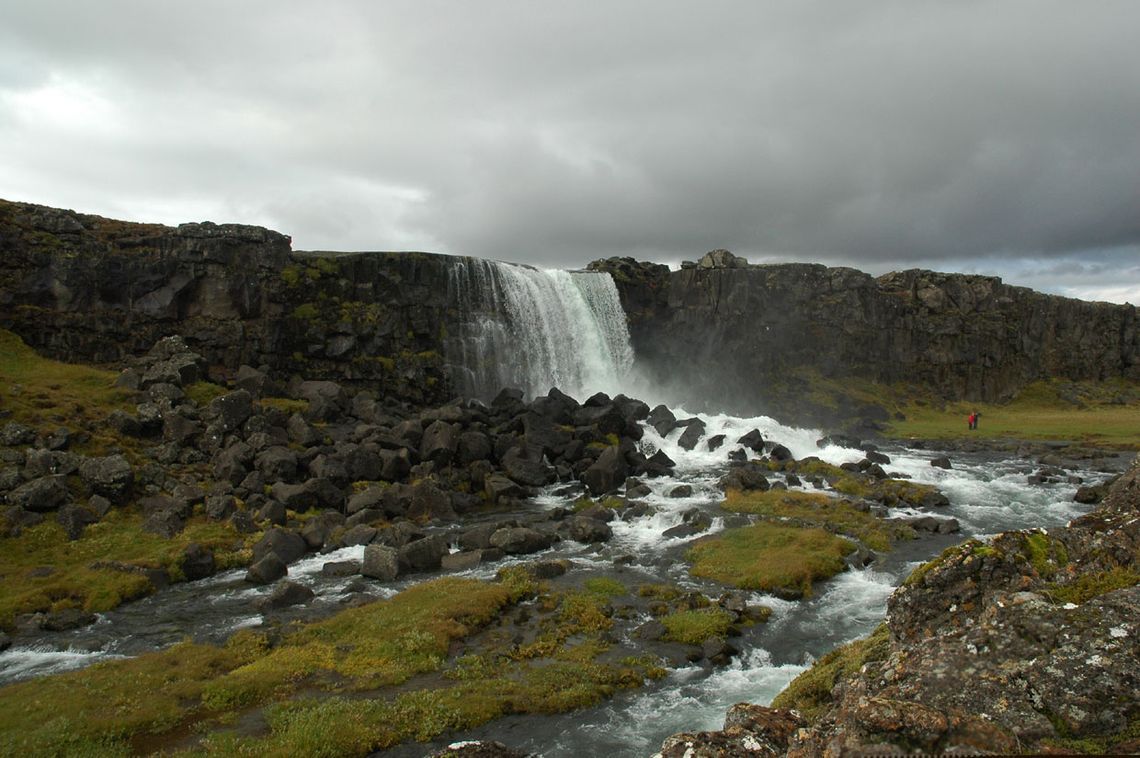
[
  {"x": 970, "y": 421},
  {"x": 976, "y": 417}
]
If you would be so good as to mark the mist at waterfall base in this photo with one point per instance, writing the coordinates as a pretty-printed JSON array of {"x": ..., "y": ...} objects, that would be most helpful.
[{"x": 535, "y": 330}]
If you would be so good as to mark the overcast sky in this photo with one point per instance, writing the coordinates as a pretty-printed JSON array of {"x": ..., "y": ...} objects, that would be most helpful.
[{"x": 966, "y": 135}]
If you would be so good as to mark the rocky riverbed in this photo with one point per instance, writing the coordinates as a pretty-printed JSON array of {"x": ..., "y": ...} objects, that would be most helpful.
[{"x": 576, "y": 552}]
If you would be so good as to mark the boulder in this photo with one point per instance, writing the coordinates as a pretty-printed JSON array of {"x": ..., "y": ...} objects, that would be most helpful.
[
  {"x": 940, "y": 462},
  {"x": 380, "y": 562},
  {"x": 284, "y": 595},
  {"x": 277, "y": 464},
  {"x": 527, "y": 469},
  {"x": 520, "y": 540},
  {"x": 269, "y": 569},
  {"x": 231, "y": 410},
  {"x": 74, "y": 519},
  {"x": 606, "y": 474},
  {"x": 40, "y": 495},
  {"x": 440, "y": 443},
  {"x": 582, "y": 528},
  {"x": 197, "y": 562},
  {"x": 662, "y": 420},
  {"x": 285, "y": 544},
  {"x": 715, "y": 442},
  {"x": 110, "y": 476},
  {"x": 423, "y": 554},
  {"x": 753, "y": 441},
  {"x": 694, "y": 430}
]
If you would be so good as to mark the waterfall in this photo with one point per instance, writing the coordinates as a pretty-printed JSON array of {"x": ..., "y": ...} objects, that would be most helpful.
[{"x": 534, "y": 329}]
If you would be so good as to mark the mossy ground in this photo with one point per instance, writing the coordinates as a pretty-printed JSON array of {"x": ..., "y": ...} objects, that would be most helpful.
[
  {"x": 41, "y": 570},
  {"x": 1096, "y": 413},
  {"x": 770, "y": 557},
  {"x": 46, "y": 394},
  {"x": 363, "y": 680},
  {"x": 818, "y": 510},
  {"x": 810, "y": 692}
]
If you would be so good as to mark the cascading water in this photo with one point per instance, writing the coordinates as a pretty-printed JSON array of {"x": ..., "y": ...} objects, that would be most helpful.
[{"x": 534, "y": 329}]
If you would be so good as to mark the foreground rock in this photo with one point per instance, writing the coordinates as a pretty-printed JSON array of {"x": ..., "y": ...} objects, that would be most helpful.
[{"x": 1027, "y": 644}]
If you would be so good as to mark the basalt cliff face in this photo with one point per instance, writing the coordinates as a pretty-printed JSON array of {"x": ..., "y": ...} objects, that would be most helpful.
[
  {"x": 752, "y": 334},
  {"x": 85, "y": 288},
  {"x": 751, "y": 338}
]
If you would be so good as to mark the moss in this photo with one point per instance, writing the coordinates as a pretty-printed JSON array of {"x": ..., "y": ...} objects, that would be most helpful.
[
  {"x": 664, "y": 592},
  {"x": 972, "y": 547},
  {"x": 769, "y": 557},
  {"x": 306, "y": 312},
  {"x": 810, "y": 692},
  {"x": 82, "y": 574},
  {"x": 1046, "y": 554},
  {"x": 285, "y": 404},
  {"x": 201, "y": 393},
  {"x": 695, "y": 626},
  {"x": 605, "y": 587},
  {"x": 291, "y": 275},
  {"x": 1088, "y": 586},
  {"x": 818, "y": 510},
  {"x": 44, "y": 394}
]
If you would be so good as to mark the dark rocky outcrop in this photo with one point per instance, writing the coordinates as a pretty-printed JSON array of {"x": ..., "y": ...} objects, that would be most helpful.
[{"x": 1026, "y": 644}]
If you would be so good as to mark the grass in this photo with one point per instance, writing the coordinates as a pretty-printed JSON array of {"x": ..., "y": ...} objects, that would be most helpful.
[
  {"x": 201, "y": 393},
  {"x": 813, "y": 509},
  {"x": 695, "y": 626},
  {"x": 364, "y": 680},
  {"x": 810, "y": 692},
  {"x": 1093, "y": 413},
  {"x": 74, "y": 581},
  {"x": 45, "y": 394},
  {"x": 770, "y": 557}
]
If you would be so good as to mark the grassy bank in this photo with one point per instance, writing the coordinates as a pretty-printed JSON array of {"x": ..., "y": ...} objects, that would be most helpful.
[
  {"x": 363, "y": 680},
  {"x": 1103, "y": 414}
]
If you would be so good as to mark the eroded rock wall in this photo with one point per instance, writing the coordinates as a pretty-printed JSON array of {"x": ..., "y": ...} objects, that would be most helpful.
[
  {"x": 84, "y": 288},
  {"x": 753, "y": 334}
]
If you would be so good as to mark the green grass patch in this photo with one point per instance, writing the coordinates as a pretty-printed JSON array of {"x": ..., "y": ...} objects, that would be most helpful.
[
  {"x": 606, "y": 587},
  {"x": 44, "y": 394},
  {"x": 813, "y": 509},
  {"x": 664, "y": 592},
  {"x": 367, "y": 648},
  {"x": 1095, "y": 413},
  {"x": 810, "y": 692},
  {"x": 770, "y": 557},
  {"x": 694, "y": 627},
  {"x": 41, "y": 570}
]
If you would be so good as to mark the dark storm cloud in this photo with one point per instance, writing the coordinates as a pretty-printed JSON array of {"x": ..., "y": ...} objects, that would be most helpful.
[{"x": 956, "y": 135}]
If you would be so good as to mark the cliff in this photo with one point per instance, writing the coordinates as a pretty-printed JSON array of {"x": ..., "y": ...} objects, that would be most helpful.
[
  {"x": 753, "y": 334},
  {"x": 84, "y": 288},
  {"x": 754, "y": 338}
]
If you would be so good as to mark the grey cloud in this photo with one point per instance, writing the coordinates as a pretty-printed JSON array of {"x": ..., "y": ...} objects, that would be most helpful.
[{"x": 877, "y": 134}]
